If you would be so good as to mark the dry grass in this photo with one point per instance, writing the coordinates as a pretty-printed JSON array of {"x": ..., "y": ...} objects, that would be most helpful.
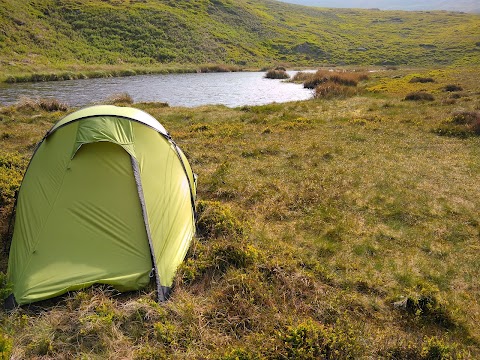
[
  {"x": 119, "y": 99},
  {"x": 331, "y": 89},
  {"x": 50, "y": 105}
]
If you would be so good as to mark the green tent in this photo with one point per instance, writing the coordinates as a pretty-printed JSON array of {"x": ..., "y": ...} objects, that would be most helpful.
[{"x": 107, "y": 198}]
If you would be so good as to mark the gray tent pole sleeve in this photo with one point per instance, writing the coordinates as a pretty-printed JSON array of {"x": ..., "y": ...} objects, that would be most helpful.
[{"x": 161, "y": 290}]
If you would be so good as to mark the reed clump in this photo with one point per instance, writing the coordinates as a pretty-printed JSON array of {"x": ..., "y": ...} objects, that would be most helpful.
[{"x": 345, "y": 78}]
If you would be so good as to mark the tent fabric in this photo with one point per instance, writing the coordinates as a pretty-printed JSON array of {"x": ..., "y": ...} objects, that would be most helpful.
[
  {"x": 106, "y": 198},
  {"x": 112, "y": 129},
  {"x": 110, "y": 110}
]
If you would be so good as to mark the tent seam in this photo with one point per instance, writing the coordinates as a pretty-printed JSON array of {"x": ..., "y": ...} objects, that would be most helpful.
[{"x": 161, "y": 296}]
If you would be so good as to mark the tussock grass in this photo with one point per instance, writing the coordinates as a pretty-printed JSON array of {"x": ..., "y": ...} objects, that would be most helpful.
[
  {"x": 47, "y": 104},
  {"x": 276, "y": 74},
  {"x": 349, "y": 228}
]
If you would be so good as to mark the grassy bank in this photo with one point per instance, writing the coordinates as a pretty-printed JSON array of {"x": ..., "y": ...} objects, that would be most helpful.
[
  {"x": 345, "y": 227},
  {"x": 91, "y": 72},
  {"x": 50, "y": 39}
]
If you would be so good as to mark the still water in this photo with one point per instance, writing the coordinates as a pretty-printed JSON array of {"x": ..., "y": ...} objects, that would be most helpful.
[{"x": 189, "y": 90}]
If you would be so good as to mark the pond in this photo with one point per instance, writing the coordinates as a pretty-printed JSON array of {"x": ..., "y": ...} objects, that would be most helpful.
[{"x": 230, "y": 89}]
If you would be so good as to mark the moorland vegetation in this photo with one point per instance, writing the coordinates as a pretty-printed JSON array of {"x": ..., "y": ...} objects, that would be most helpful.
[{"x": 341, "y": 227}]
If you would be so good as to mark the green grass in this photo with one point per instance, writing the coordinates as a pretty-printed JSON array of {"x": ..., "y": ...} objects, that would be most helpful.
[
  {"x": 54, "y": 40},
  {"x": 344, "y": 227}
]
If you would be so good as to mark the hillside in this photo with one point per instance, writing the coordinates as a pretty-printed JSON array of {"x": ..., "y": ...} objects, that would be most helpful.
[
  {"x": 66, "y": 35},
  {"x": 343, "y": 227}
]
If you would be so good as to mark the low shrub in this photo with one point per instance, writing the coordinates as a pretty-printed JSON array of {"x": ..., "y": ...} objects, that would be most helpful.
[
  {"x": 5, "y": 346},
  {"x": 466, "y": 118},
  {"x": 216, "y": 220},
  {"x": 408, "y": 351},
  {"x": 276, "y": 74},
  {"x": 12, "y": 166},
  {"x": 165, "y": 333},
  {"x": 461, "y": 124},
  {"x": 422, "y": 80},
  {"x": 434, "y": 348},
  {"x": 423, "y": 304},
  {"x": 311, "y": 340},
  {"x": 452, "y": 88},
  {"x": 239, "y": 354},
  {"x": 148, "y": 352},
  {"x": 419, "y": 96},
  {"x": 221, "y": 244},
  {"x": 5, "y": 288},
  {"x": 215, "y": 259},
  {"x": 431, "y": 348}
]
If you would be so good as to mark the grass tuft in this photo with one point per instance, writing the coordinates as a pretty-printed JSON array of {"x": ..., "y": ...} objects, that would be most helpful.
[
  {"x": 119, "y": 99},
  {"x": 46, "y": 104}
]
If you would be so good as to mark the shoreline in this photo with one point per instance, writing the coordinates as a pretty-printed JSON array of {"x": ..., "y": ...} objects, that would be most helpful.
[{"x": 105, "y": 72}]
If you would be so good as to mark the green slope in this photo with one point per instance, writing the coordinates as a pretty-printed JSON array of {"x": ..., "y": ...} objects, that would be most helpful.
[{"x": 64, "y": 34}]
